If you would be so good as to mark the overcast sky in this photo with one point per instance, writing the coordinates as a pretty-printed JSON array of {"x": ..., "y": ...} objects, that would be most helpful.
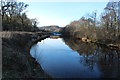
[{"x": 61, "y": 13}]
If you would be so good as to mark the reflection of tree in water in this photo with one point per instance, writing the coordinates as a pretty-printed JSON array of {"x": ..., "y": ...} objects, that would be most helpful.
[
  {"x": 80, "y": 47},
  {"x": 108, "y": 61}
]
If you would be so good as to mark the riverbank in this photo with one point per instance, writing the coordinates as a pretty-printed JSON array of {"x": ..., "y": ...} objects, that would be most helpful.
[
  {"x": 113, "y": 45},
  {"x": 16, "y": 58}
]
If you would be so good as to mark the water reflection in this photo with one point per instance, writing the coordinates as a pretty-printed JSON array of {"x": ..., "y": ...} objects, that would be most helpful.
[
  {"x": 69, "y": 58},
  {"x": 108, "y": 61}
]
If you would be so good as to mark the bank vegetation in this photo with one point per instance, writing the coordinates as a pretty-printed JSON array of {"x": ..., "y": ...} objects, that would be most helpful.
[
  {"x": 105, "y": 30},
  {"x": 18, "y": 34},
  {"x": 14, "y": 17}
]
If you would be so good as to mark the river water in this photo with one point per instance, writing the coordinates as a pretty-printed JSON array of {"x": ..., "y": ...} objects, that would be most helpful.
[{"x": 67, "y": 58}]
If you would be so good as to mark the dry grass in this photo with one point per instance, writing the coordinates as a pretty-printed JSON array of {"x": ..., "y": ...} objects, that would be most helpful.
[{"x": 17, "y": 61}]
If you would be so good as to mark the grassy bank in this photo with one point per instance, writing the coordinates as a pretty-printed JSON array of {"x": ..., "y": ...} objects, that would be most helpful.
[{"x": 17, "y": 61}]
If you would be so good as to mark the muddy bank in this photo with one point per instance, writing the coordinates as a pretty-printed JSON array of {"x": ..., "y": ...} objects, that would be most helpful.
[{"x": 17, "y": 61}]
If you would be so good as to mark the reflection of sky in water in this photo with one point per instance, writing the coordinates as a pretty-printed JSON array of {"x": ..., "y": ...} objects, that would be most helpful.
[{"x": 59, "y": 60}]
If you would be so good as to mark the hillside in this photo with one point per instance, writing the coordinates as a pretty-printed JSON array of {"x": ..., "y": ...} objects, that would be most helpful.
[{"x": 52, "y": 28}]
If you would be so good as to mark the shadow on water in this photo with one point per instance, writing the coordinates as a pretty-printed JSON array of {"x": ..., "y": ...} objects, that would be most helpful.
[
  {"x": 69, "y": 58},
  {"x": 108, "y": 61}
]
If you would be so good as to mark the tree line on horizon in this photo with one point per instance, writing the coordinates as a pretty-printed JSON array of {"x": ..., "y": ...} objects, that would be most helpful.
[
  {"x": 106, "y": 29},
  {"x": 14, "y": 17}
]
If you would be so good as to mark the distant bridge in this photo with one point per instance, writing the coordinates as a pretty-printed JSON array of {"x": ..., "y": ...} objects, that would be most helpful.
[{"x": 56, "y": 33}]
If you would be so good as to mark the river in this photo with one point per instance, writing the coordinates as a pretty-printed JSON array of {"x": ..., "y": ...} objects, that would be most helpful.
[{"x": 67, "y": 58}]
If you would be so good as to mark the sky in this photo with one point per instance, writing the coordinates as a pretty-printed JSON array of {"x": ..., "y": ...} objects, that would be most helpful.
[{"x": 61, "y": 13}]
